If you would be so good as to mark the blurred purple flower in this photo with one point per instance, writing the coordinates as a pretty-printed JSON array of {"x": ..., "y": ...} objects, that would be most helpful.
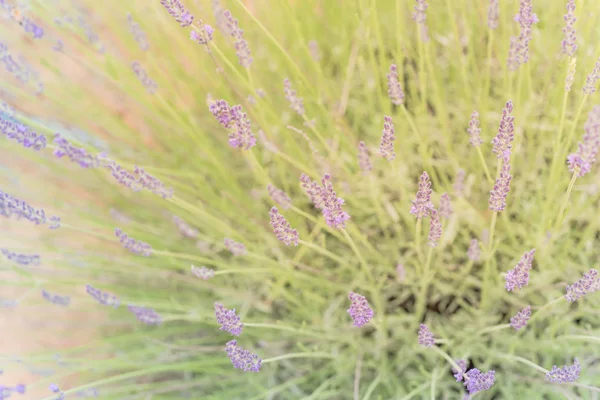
[
  {"x": 279, "y": 196},
  {"x": 419, "y": 16},
  {"x": 501, "y": 187},
  {"x": 203, "y": 36},
  {"x": 313, "y": 190},
  {"x": 421, "y": 205},
  {"x": 589, "y": 283},
  {"x": 142, "y": 75},
  {"x": 425, "y": 336},
  {"x": 228, "y": 320},
  {"x": 518, "y": 277},
  {"x": 14, "y": 130},
  {"x": 520, "y": 319},
  {"x": 386, "y": 147},
  {"x": 474, "y": 252},
  {"x": 332, "y": 205},
  {"x": 364, "y": 161},
  {"x": 474, "y": 130},
  {"x": 435, "y": 227},
  {"x": 493, "y": 14},
  {"x": 146, "y": 315},
  {"x": 76, "y": 154},
  {"x": 55, "y": 389},
  {"x": 139, "y": 180},
  {"x": 503, "y": 140},
  {"x": 296, "y": 102},
  {"x": 282, "y": 228},
  {"x": 242, "y": 359},
  {"x": 395, "y": 92},
  {"x": 134, "y": 246},
  {"x": 11, "y": 206},
  {"x": 565, "y": 374},
  {"x": 31, "y": 27},
  {"x": 178, "y": 11},
  {"x": 581, "y": 162},
  {"x": 445, "y": 206},
  {"x": 592, "y": 79},
  {"x": 184, "y": 228},
  {"x": 241, "y": 45},
  {"x": 459, "y": 182},
  {"x": 476, "y": 381},
  {"x": 21, "y": 259},
  {"x": 203, "y": 272},
  {"x": 234, "y": 119},
  {"x": 569, "y": 43},
  {"x": 138, "y": 33},
  {"x": 458, "y": 374},
  {"x": 56, "y": 299},
  {"x": 103, "y": 297},
  {"x": 237, "y": 249},
  {"x": 359, "y": 310}
]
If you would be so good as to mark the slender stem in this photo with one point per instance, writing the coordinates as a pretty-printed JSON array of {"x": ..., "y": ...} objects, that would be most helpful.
[
  {"x": 418, "y": 238},
  {"x": 447, "y": 357},
  {"x": 298, "y": 355},
  {"x": 547, "y": 305},
  {"x": 484, "y": 164},
  {"x": 362, "y": 261},
  {"x": 522, "y": 361},
  {"x": 580, "y": 337},
  {"x": 566, "y": 200},
  {"x": 492, "y": 329},
  {"x": 357, "y": 374},
  {"x": 323, "y": 251},
  {"x": 415, "y": 391},
  {"x": 487, "y": 277},
  {"x": 422, "y": 298}
]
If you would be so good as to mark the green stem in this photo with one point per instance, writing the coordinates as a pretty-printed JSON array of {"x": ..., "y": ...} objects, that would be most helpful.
[
  {"x": 492, "y": 329},
  {"x": 485, "y": 167},
  {"x": 566, "y": 200},
  {"x": 298, "y": 355}
]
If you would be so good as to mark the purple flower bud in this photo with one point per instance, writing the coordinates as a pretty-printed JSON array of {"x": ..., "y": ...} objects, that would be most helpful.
[
  {"x": 31, "y": 27},
  {"x": 56, "y": 299},
  {"x": 313, "y": 190},
  {"x": 178, "y": 11},
  {"x": 458, "y": 374},
  {"x": 14, "y": 130},
  {"x": 234, "y": 119},
  {"x": 55, "y": 389},
  {"x": 425, "y": 336},
  {"x": 518, "y": 277},
  {"x": 332, "y": 205},
  {"x": 421, "y": 206},
  {"x": 501, "y": 188},
  {"x": 581, "y": 162},
  {"x": 474, "y": 252},
  {"x": 134, "y": 246},
  {"x": 395, "y": 92},
  {"x": 445, "y": 206},
  {"x": 459, "y": 182},
  {"x": 565, "y": 374},
  {"x": 476, "y": 381},
  {"x": 503, "y": 140},
  {"x": 142, "y": 75},
  {"x": 359, "y": 309},
  {"x": 419, "y": 17},
  {"x": 364, "y": 161},
  {"x": 435, "y": 228},
  {"x": 184, "y": 228},
  {"x": 279, "y": 196},
  {"x": 203, "y": 272},
  {"x": 282, "y": 228},
  {"x": 11, "y": 206},
  {"x": 139, "y": 180},
  {"x": 20, "y": 388},
  {"x": 237, "y": 249},
  {"x": 241, "y": 46},
  {"x": 520, "y": 319},
  {"x": 592, "y": 79},
  {"x": 493, "y": 14},
  {"x": 513, "y": 53},
  {"x": 228, "y": 320},
  {"x": 204, "y": 36},
  {"x": 138, "y": 33},
  {"x": 296, "y": 103},
  {"x": 386, "y": 147},
  {"x": 76, "y": 154},
  {"x": 21, "y": 259},
  {"x": 569, "y": 43},
  {"x": 474, "y": 130},
  {"x": 589, "y": 283},
  {"x": 242, "y": 359},
  {"x": 103, "y": 297},
  {"x": 146, "y": 315}
]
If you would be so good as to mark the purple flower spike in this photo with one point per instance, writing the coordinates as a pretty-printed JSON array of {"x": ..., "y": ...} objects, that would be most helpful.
[
  {"x": 581, "y": 162},
  {"x": 520, "y": 319},
  {"x": 203, "y": 272},
  {"x": 20, "y": 133},
  {"x": 476, "y": 381},
  {"x": 184, "y": 228},
  {"x": 518, "y": 277},
  {"x": 241, "y": 45},
  {"x": 425, "y": 336},
  {"x": 364, "y": 161},
  {"x": 76, "y": 154},
  {"x": 332, "y": 205},
  {"x": 569, "y": 43},
  {"x": 296, "y": 103},
  {"x": 228, "y": 320},
  {"x": 503, "y": 140},
  {"x": 138, "y": 33},
  {"x": 56, "y": 299},
  {"x": 11, "y": 206},
  {"x": 103, "y": 297},
  {"x": 592, "y": 79},
  {"x": 501, "y": 188},
  {"x": 204, "y": 36},
  {"x": 474, "y": 252},
  {"x": 458, "y": 375},
  {"x": 435, "y": 228},
  {"x": 421, "y": 206},
  {"x": 419, "y": 17},
  {"x": 178, "y": 11},
  {"x": 565, "y": 374},
  {"x": 280, "y": 197},
  {"x": 234, "y": 119},
  {"x": 142, "y": 75},
  {"x": 139, "y": 180},
  {"x": 459, "y": 182},
  {"x": 282, "y": 228},
  {"x": 445, "y": 206},
  {"x": 395, "y": 92},
  {"x": 21, "y": 259},
  {"x": 55, "y": 389},
  {"x": 474, "y": 130},
  {"x": 146, "y": 315},
  {"x": 493, "y": 14},
  {"x": 386, "y": 147},
  {"x": 242, "y": 359},
  {"x": 313, "y": 190},
  {"x": 134, "y": 246},
  {"x": 589, "y": 283},
  {"x": 237, "y": 249},
  {"x": 359, "y": 309}
]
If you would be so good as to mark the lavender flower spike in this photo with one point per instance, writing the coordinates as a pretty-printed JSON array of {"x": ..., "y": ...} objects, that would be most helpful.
[
  {"x": 503, "y": 140},
  {"x": 421, "y": 205},
  {"x": 75, "y": 154},
  {"x": 237, "y": 249},
  {"x": 234, "y": 119},
  {"x": 296, "y": 102},
  {"x": 134, "y": 246},
  {"x": 103, "y": 297},
  {"x": 184, "y": 228},
  {"x": 11, "y": 206},
  {"x": 518, "y": 277},
  {"x": 565, "y": 374},
  {"x": 425, "y": 336},
  {"x": 592, "y": 79},
  {"x": 364, "y": 161},
  {"x": 569, "y": 43},
  {"x": 21, "y": 259},
  {"x": 474, "y": 252},
  {"x": 501, "y": 188},
  {"x": 359, "y": 310},
  {"x": 493, "y": 14},
  {"x": 332, "y": 205},
  {"x": 520, "y": 319},
  {"x": 458, "y": 374},
  {"x": 445, "y": 206},
  {"x": 435, "y": 228},
  {"x": 242, "y": 359},
  {"x": 581, "y": 162},
  {"x": 203, "y": 272},
  {"x": 146, "y": 315},
  {"x": 474, "y": 130},
  {"x": 228, "y": 320},
  {"x": 419, "y": 17},
  {"x": 178, "y": 11},
  {"x": 282, "y": 228},
  {"x": 279, "y": 196},
  {"x": 386, "y": 147},
  {"x": 241, "y": 45},
  {"x": 589, "y": 283},
  {"x": 395, "y": 92},
  {"x": 476, "y": 381},
  {"x": 56, "y": 299},
  {"x": 313, "y": 190},
  {"x": 20, "y": 133}
]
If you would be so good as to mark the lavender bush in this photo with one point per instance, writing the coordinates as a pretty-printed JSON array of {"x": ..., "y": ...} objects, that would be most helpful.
[{"x": 399, "y": 199}]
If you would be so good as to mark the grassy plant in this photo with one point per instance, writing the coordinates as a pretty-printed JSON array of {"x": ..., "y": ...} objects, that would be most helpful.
[{"x": 444, "y": 126}]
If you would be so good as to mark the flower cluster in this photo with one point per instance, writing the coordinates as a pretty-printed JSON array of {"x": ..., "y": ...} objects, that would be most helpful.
[
  {"x": 364, "y": 161},
  {"x": 565, "y": 374},
  {"x": 76, "y": 154},
  {"x": 569, "y": 43},
  {"x": 11, "y": 206},
  {"x": 459, "y": 374},
  {"x": 474, "y": 130},
  {"x": 280, "y": 197},
  {"x": 425, "y": 336},
  {"x": 581, "y": 161},
  {"x": 242, "y": 359},
  {"x": 419, "y": 16},
  {"x": 142, "y": 75},
  {"x": 395, "y": 92},
  {"x": 474, "y": 252},
  {"x": 236, "y": 248},
  {"x": 435, "y": 227},
  {"x": 422, "y": 205},
  {"x": 178, "y": 11},
  {"x": 103, "y": 297},
  {"x": 501, "y": 187},
  {"x": 134, "y": 246},
  {"x": 241, "y": 45},
  {"x": 228, "y": 320},
  {"x": 56, "y": 299},
  {"x": 503, "y": 140},
  {"x": 589, "y": 283},
  {"x": 332, "y": 205},
  {"x": 21, "y": 259},
  {"x": 312, "y": 190},
  {"x": 146, "y": 315},
  {"x": 282, "y": 228},
  {"x": 476, "y": 381},
  {"x": 202, "y": 36},
  {"x": 493, "y": 14},
  {"x": 386, "y": 147},
  {"x": 445, "y": 206},
  {"x": 138, "y": 33},
  {"x": 518, "y": 277},
  {"x": 55, "y": 389},
  {"x": 234, "y": 119},
  {"x": 592, "y": 79},
  {"x": 296, "y": 102},
  {"x": 520, "y": 319},
  {"x": 359, "y": 310},
  {"x": 20, "y": 133},
  {"x": 139, "y": 180},
  {"x": 184, "y": 228},
  {"x": 203, "y": 272}
]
